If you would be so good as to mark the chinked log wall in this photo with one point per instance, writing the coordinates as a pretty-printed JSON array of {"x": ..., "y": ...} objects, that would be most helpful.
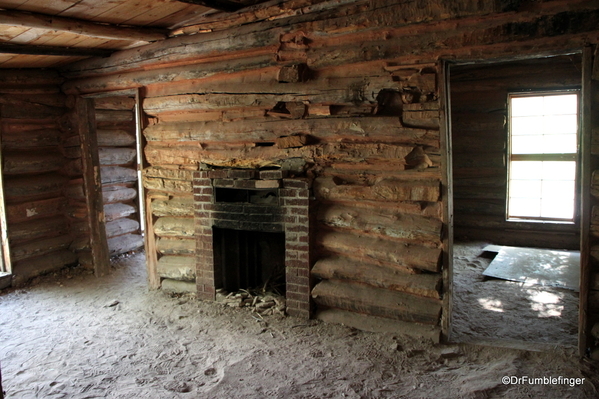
[
  {"x": 479, "y": 130},
  {"x": 367, "y": 115},
  {"x": 36, "y": 172}
]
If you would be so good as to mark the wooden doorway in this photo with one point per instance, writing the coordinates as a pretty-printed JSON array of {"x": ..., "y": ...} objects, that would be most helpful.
[{"x": 477, "y": 177}]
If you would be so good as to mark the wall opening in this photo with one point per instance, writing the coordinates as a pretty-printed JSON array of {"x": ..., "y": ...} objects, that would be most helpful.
[
  {"x": 488, "y": 307},
  {"x": 249, "y": 260}
]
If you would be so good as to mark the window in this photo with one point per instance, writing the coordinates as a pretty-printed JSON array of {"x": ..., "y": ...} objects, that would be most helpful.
[{"x": 542, "y": 155}]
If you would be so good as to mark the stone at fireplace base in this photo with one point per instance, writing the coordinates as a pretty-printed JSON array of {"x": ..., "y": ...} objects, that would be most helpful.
[{"x": 178, "y": 287}]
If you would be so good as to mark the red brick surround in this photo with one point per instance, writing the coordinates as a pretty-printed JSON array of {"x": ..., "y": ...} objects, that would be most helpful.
[{"x": 290, "y": 216}]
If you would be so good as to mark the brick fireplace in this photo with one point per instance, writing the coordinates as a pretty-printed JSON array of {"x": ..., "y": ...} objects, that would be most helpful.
[{"x": 262, "y": 206}]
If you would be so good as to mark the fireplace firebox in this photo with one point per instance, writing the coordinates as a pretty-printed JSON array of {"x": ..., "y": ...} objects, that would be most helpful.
[{"x": 252, "y": 227}]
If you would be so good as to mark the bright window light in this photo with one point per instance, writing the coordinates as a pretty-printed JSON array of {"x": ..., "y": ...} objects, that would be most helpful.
[{"x": 542, "y": 157}]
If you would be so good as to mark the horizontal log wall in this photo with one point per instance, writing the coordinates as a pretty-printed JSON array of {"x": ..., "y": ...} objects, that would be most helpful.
[
  {"x": 479, "y": 138},
  {"x": 345, "y": 93},
  {"x": 36, "y": 171},
  {"x": 118, "y": 170}
]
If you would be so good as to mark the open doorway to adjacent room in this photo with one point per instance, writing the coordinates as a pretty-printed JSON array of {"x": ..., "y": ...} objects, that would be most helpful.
[{"x": 515, "y": 133}]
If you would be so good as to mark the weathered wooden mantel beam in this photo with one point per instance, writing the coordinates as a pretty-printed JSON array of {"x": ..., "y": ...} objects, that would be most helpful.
[{"x": 80, "y": 27}]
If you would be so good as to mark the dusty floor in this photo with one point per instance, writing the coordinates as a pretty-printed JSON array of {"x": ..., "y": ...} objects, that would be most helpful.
[
  {"x": 75, "y": 336},
  {"x": 487, "y": 309}
]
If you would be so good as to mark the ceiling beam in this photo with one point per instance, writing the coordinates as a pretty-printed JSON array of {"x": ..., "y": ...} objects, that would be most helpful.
[
  {"x": 221, "y": 5},
  {"x": 12, "y": 48},
  {"x": 80, "y": 27}
]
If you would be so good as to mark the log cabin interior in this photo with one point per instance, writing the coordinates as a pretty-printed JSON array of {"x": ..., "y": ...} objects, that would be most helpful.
[{"x": 335, "y": 149}]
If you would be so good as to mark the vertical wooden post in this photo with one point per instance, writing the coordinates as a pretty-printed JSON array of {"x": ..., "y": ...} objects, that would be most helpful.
[
  {"x": 86, "y": 124},
  {"x": 446, "y": 196},
  {"x": 5, "y": 262},
  {"x": 150, "y": 243},
  {"x": 586, "y": 170}
]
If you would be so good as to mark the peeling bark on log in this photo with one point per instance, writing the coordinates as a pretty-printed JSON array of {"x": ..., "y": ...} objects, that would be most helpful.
[
  {"x": 402, "y": 254},
  {"x": 35, "y": 209},
  {"x": 121, "y": 226},
  {"x": 111, "y": 194},
  {"x": 32, "y": 162},
  {"x": 174, "y": 227},
  {"x": 385, "y": 190},
  {"x": 123, "y": 244},
  {"x": 31, "y": 188},
  {"x": 174, "y": 207},
  {"x": 38, "y": 228},
  {"x": 117, "y": 174},
  {"x": 116, "y": 156},
  {"x": 32, "y": 139},
  {"x": 177, "y": 267},
  {"x": 380, "y": 324},
  {"x": 40, "y": 247},
  {"x": 117, "y": 211},
  {"x": 27, "y": 269},
  {"x": 377, "y": 302},
  {"x": 169, "y": 246},
  {"x": 382, "y": 129},
  {"x": 337, "y": 268}
]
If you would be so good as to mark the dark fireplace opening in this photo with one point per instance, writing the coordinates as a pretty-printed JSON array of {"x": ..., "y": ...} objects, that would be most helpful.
[{"x": 249, "y": 260}]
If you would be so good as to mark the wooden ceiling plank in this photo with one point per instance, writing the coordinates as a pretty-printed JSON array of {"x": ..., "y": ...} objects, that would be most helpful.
[
  {"x": 160, "y": 12},
  {"x": 191, "y": 12},
  {"x": 53, "y": 7},
  {"x": 222, "y": 5},
  {"x": 90, "y": 9},
  {"x": 33, "y": 20},
  {"x": 128, "y": 12}
]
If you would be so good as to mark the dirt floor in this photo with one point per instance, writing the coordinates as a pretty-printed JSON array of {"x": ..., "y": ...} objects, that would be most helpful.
[
  {"x": 75, "y": 336},
  {"x": 487, "y": 309}
]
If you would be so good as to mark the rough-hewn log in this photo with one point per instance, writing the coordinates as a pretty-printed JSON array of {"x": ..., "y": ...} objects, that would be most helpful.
[
  {"x": 538, "y": 238},
  {"x": 31, "y": 188},
  {"x": 404, "y": 255},
  {"x": 115, "y": 138},
  {"x": 32, "y": 107},
  {"x": 114, "y": 103},
  {"x": 382, "y": 221},
  {"x": 377, "y": 301},
  {"x": 117, "y": 211},
  {"x": 29, "y": 268},
  {"x": 116, "y": 156},
  {"x": 72, "y": 168},
  {"x": 178, "y": 206},
  {"x": 177, "y": 267},
  {"x": 178, "y": 287},
  {"x": 38, "y": 228},
  {"x": 117, "y": 174},
  {"x": 174, "y": 227},
  {"x": 74, "y": 189},
  {"x": 35, "y": 209},
  {"x": 31, "y": 162},
  {"x": 111, "y": 194},
  {"x": 172, "y": 246},
  {"x": 170, "y": 180},
  {"x": 121, "y": 226},
  {"x": 123, "y": 244},
  {"x": 379, "y": 324},
  {"x": 389, "y": 189},
  {"x": 422, "y": 115},
  {"x": 25, "y": 77},
  {"x": 338, "y": 268},
  {"x": 381, "y": 129},
  {"x": 39, "y": 247},
  {"x": 31, "y": 139},
  {"x": 114, "y": 116}
]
